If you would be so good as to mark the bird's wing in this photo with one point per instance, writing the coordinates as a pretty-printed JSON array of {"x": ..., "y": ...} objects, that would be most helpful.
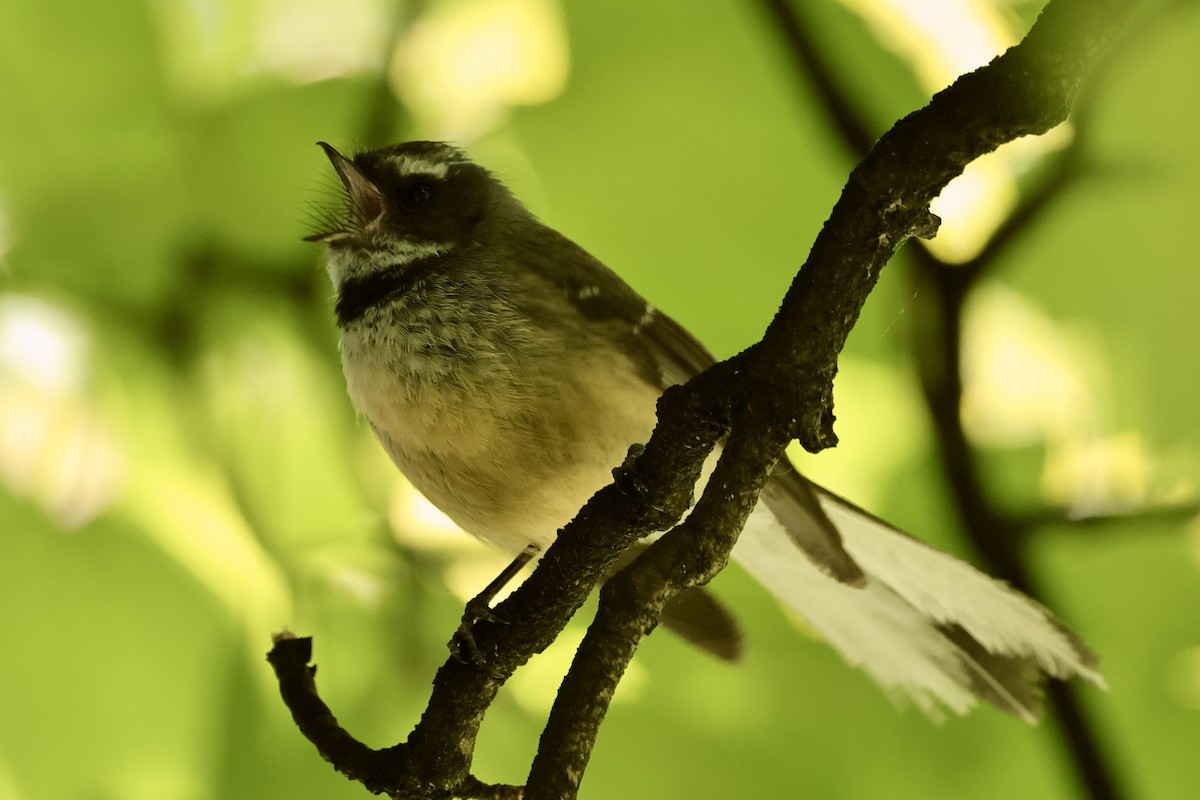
[
  {"x": 919, "y": 621},
  {"x": 668, "y": 354}
]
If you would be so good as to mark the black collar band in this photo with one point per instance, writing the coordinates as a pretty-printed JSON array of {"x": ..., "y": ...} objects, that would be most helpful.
[{"x": 357, "y": 296}]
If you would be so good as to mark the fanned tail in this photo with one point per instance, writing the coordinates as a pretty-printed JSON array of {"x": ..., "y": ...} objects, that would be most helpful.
[{"x": 925, "y": 625}]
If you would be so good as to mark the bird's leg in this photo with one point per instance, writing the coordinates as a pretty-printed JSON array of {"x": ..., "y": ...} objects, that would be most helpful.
[{"x": 479, "y": 608}]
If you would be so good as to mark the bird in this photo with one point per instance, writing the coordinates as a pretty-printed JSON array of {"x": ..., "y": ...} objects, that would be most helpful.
[{"x": 506, "y": 372}]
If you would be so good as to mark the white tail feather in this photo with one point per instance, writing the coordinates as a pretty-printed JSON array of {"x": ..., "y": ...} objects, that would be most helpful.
[{"x": 890, "y": 628}]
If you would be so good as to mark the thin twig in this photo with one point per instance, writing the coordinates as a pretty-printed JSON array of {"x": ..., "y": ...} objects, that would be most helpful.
[
  {"x": 380, "y": 771},
  {"x": 1173, "y": 514},
  {"x": 814, "y": 72}
]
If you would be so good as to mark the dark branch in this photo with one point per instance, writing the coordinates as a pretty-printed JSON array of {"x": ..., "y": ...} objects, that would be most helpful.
[
  {"x": 289, "y": 657},
  {"x": 885, "y": 202},
  {"x": 999, "y": 537},
  {"x": 631, "y": 605},
  {"x": 777, "y": 390},
  {"x": 815, "y": 72},
  {"x": 1025, "y": 91},
  {"x": 380, "y": 771},
  {"x": 1172, "y": 514}
]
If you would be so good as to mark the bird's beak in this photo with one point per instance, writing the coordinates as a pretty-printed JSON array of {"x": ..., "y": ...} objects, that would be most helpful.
[{"x": 366, "y": 201}]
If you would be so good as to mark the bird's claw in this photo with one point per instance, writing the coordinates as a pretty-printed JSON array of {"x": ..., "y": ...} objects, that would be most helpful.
[
  {"x": 479, "y": 609},
  {"x": 462, "y": 645}
]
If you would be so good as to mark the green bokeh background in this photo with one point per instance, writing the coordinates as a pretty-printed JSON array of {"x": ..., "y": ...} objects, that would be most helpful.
[{"x": 153, "y": 190}]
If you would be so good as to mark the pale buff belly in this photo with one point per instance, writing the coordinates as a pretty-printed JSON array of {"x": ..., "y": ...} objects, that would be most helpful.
[{"x": 511, "y": 465}]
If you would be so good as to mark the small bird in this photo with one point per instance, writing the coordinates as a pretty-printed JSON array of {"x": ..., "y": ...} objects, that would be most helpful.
[{"x": 507, "y": 372}]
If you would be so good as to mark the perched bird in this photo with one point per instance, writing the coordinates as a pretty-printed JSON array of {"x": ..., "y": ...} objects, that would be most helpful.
[{"x": 506, "y": 372}]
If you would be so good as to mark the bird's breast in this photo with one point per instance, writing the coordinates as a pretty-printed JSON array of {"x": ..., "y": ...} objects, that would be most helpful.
[{"x": 507, "y": 431}]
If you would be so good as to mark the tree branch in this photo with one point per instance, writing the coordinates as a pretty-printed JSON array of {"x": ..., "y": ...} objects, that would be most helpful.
[
  {"x": 997, "y": 536},
  {"x": 631, "y": 605},
  {"x": 815, "y": 72},
  {"x": 1169, "y": 514},
  {"x": 1026, "y": 91},
  {"x": 777, "y": 390}
]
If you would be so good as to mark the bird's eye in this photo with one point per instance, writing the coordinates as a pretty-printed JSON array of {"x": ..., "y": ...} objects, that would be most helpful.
[{"x": 418, "y": 193}]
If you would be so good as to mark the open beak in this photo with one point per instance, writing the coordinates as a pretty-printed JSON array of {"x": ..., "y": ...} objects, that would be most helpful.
[{"x": 365, "y": 200}]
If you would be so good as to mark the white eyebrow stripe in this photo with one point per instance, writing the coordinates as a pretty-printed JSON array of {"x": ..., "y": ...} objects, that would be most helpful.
[
  {"x": 434, "y": 164},
  {"x": 414, "y": 165}
]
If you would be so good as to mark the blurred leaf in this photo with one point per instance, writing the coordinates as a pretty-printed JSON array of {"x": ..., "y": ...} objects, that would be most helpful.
[{"x": 111, "y": 647}]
